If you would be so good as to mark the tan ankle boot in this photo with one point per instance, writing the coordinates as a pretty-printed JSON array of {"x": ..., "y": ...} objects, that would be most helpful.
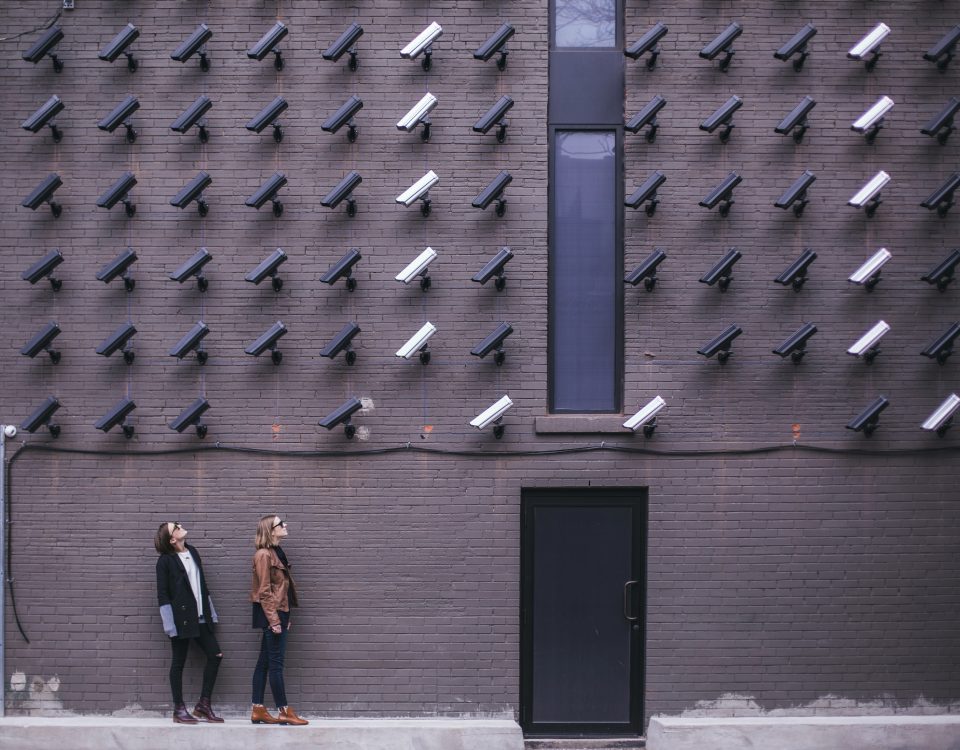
[
  {"x": 289, "y": 716},
  {"x": 260, "y": 715}
]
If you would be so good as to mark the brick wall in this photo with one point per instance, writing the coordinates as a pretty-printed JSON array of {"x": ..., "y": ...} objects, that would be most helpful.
[{"x": 795, "y": 577}]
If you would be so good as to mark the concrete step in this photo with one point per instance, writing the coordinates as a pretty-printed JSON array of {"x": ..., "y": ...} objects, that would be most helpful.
[{"x": 581, "y": 743}]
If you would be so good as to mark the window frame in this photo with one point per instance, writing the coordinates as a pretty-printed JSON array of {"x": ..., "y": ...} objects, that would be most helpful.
[{"x": 618, "y": 33}]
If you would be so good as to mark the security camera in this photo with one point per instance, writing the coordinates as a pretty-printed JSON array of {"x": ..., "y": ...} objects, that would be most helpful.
[
  {"x": 870, "y": 122},
  {"x": 120, "y": 115},
  {"x": 868, "y": 197},
  {"x": 268, "y": 340},
  {"x": 647, "y": 193},
  {"x": 117, "y": 416},
  {"x": 942, "y": 273},
  {"x": 193, "y": 191},
  {"x": 494, "y": 267},
  {"x": 868, "y": 275},
  {"x": 646, "y": 271},
  {"x": 267, "y": 116},
  {"x": 646, "y": 417},
  {"x": 722, "y": 43},
  {"x": 345, "y": 43},
  {"x": 494, "y": 116},
  {"x": 191, "y": 416},
  {"x": 796, "y": 119},
  {"x": 494, "y": 44},
  {"x": 343, "y": 191},
  {"x": 422, "y": 43},
  {"x": 118, "y": 46},
  {"x": 647, "y": 117},
  {"x": 192, "y": 46},
  {"x": 493, "y": 415},
  {"x": 870, "y": 45},
  {"x": 9, "y": 431},
  {"x": 419, "y": 115},
  {"x": 866, "y": 347},
  {"x": 867, "y": 421},
  {"x": 723, "y": 116},
  {"x": 194, "y": 267},
  {"x": 494, "y": 192},
  {"x": 942, "y": 198},
  {"x": 722, "y": 273},
  {"x": 720, "y": 346},
  {"x": 191, "y": 117},
  {"x": 344, "y": 116},
  {"x": 41, "y": 342},
  {"x": 191, "y": 341},
  {"x": 268, "y": 43},
  {"x": 418, "y": 343},
  {"x": 343, "y": 268},
  {"x": 494, "y": 343},
  {"x": 118, "y": 340},
  {"x": 796, "y": 273},
  {"x": 119, "y": 266},
  {"x": 942, "y": 52},
  {"x": 943, "y": 121},
  {"x": 942, "y": 346},
  {"x": 796, "y": 344},
  {"x": 47, "y": 111},
  {"x": 722, "y": 192},
  {"x": 44, "y": 46},
  {"x": 43, "y": 193},
  {"x": 341, "y": 343},
  {"x": 418, "y": 267},
  {"x": 268, "y": 192},
  {"x": 648, "y": 43},
  {"x": 268, "y": 267},
  {"x": 120, "y": 192},
  {"x": 796, "y": 194},
  {"x": 419, "y": 191},
  {"x": 942, "y": 418},
  {"x": 43, "y": 269},
  {"x": 341, "y": 415},
  {"x": 797, "y": 45},
  {"x": 43, "y": 416}
]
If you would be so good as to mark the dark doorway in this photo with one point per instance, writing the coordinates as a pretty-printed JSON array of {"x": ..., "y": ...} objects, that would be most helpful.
[{"x": 582, "y": 617}]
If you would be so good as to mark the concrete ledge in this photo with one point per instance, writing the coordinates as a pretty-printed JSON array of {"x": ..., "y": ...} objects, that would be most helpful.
[
  {"x": 94, "y": 733},
  {"x": 941, "y": 732}
]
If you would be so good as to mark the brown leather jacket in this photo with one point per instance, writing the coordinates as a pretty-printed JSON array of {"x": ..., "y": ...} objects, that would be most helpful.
[{"x": 273, "y": 586}]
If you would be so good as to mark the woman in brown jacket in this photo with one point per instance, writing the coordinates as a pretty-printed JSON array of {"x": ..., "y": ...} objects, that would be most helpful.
[{"x": 272, "y": 594}]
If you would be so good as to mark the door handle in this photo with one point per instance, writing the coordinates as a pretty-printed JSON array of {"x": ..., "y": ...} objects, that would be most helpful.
[{"x": 626, "y": 600}]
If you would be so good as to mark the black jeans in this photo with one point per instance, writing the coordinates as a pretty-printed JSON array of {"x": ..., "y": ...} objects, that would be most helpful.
[
  {"x": 273, "y": 646},
  {"x": 208, "y": 643}
]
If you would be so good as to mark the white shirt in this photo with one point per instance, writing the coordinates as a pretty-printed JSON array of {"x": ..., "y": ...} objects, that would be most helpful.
[{"x": 193, "y": 575}]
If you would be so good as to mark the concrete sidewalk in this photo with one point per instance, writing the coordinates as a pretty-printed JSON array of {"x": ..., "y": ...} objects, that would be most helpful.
[{"x": 107, "y": 733}]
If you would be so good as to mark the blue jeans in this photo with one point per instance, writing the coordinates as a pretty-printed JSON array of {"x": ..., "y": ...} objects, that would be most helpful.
[{"x": 273, "y": 646}]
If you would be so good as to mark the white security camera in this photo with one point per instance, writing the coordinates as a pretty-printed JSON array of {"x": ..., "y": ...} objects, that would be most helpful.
[
  {"x": 418, "y": 266},
  {"x": 866, "y": 345},
  {"x": 418, "y": 191},
  {"x": 942, "y": 418},
  {"x": 870, "y": 122},
  {"x": 422, "y": 42},
  {"x": 417, "y": 113},
  {"x": 493, "y": 415},
  {"x": 10, "y": 431},
  {"x": 868, "y": 197},
  {"x": 868, "y": 275},
  {"x": 870, "y": 45},
  {"x": 646, "y": 417},
  {"x": 418, "y": 343}
]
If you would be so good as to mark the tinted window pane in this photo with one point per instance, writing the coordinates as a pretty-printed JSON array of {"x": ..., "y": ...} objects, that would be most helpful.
[
  {"x": 585, "y": 23},
  {"x": 584, "y": 282}
]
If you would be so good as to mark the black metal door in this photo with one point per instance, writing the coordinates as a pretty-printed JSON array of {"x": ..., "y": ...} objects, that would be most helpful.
[{"x": 582, "y": 619}]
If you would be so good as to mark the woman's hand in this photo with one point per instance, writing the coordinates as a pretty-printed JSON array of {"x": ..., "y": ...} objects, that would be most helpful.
[{"x": 276, "y": 628}]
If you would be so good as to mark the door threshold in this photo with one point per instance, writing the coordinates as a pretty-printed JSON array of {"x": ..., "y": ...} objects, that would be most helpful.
[{"x": 584, "y": 743}]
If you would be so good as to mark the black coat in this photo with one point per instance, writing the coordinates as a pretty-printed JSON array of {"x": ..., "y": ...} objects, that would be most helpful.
[{"x": 173, "y": 590}]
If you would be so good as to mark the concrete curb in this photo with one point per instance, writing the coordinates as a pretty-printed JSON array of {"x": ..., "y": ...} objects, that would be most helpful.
[
  {"x": 95, "y": 733},
  {"x": 941, "y": 732}
]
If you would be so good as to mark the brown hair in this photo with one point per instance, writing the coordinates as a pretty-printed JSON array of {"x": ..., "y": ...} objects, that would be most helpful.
[
  {"x": 264, "y": 538},
  {"x": 162, "y": 540}
]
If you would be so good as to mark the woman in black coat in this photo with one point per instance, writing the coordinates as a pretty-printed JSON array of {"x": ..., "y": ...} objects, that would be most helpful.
[{"x": 188, "y": 614}]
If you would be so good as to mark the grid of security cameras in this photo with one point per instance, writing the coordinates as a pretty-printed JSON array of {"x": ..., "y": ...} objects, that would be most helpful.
[
  {"x": 119, "y": 193},
  {"x": 867, "y": 50}
]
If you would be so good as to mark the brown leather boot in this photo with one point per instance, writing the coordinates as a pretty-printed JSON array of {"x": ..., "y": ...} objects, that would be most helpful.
[
  {"x": 182, "y": 716},
  {"x": 260, "y": 715},
  {"x": 289, "y": 716},
  {"x": 204, "y": 711}
]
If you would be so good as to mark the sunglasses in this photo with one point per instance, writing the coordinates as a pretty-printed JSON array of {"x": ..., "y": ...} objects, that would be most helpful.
[
  {"x": 176, "y": 525},
  {"x": 279, "y": 523}
]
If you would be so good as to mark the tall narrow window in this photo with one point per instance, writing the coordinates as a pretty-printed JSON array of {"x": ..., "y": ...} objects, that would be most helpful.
[
  {"x": 584, "y": 283},
  {"x": 585, "y": 23}
]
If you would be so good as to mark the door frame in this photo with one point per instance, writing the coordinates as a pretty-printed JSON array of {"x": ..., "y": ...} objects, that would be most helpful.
[{"x": 636, "y": 498}]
